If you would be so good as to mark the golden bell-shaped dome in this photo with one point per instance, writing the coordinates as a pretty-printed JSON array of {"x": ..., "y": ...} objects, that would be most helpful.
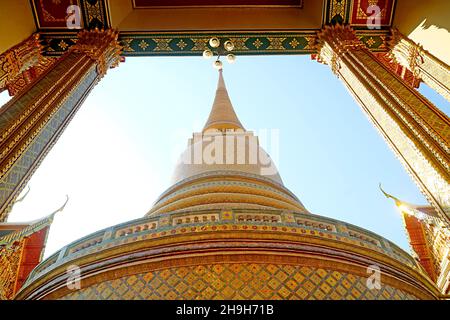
[{"x": 225, "y": 167}]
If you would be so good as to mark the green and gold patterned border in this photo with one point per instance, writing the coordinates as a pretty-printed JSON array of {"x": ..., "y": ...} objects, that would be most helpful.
[
  {"x": 195, "y": 44},
  {"x": 375, "y": 41},
  {"x": 57, "y": 44},
  {"x": 182, "y": 44}
]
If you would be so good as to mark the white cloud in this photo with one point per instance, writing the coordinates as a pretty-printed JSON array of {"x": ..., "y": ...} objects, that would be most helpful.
[{"x": 105, "y": 175}]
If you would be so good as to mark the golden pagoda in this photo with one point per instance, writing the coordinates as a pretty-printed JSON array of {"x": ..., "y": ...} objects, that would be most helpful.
[{"x": 228, "y": 228}]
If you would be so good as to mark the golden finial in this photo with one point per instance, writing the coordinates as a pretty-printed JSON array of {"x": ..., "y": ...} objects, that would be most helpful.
[{"x": 397, "y": 201}]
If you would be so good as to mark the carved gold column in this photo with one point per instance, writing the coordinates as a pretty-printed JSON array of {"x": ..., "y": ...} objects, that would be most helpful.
[
  {"x": 422, "y": 64},
  {"x": 417, "y": 131},
  {"x": 18, "y": 59},
  {"x": 10, "y": 257},
  {"x": 389, "y": 61},
  {"x": 32, "y": 121},
  {"x": 24, "y": 79}
]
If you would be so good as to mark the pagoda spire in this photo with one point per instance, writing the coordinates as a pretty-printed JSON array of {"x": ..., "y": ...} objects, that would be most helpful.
[{"x": 222, "y": 114}]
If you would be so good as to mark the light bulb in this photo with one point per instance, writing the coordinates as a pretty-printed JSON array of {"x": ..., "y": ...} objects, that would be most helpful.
[
  {"x": 207, "y": 54},
  {"x": 217, "y": 64},
  {"x": 214, "y": 42},
  {"x": 228, "y": 45},
  {"x": 231, "y": 58}
]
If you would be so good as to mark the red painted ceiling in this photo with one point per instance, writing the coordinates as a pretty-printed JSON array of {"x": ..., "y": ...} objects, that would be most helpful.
[
  {"x": 51, "y": 13},
  {"x": 361, "y": 12}
]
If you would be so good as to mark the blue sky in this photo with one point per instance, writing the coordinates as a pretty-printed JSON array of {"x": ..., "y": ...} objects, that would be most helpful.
[{"x": 118, "y": 153}]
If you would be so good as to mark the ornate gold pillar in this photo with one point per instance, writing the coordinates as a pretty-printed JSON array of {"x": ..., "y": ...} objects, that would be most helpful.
[
  {"x": 422, "y": 64},
  {"x": 417, "y": 131},
  {"x": 32, "y": 121},
  {"x": 18, "y": 59},
  {"x": 20, "y": 82},
  {"x": 389, "y": 61}
]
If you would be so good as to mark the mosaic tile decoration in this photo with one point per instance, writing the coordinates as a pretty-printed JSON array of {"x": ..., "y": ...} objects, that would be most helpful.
[{"x": 238, "y": 282}]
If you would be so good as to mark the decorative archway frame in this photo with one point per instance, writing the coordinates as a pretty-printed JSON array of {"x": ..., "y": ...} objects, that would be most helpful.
[{"x": 96, "y": 14}]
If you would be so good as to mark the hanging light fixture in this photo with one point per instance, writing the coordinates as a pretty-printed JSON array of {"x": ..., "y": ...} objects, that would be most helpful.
[
  {"x": 218, "y": 64},
  {"x": 219, "y": 49},
  {"x": 207, "y": 54},
  {"x": 231, "y": 58},
  {"x": 228, "y": 45},
  {"x": 214, "y": 42}
]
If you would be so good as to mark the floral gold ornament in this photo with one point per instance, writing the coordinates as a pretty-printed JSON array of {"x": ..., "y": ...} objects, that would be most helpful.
[
  {"x": 143, "y": 45},
  {"x": 18, "y": 59}
]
